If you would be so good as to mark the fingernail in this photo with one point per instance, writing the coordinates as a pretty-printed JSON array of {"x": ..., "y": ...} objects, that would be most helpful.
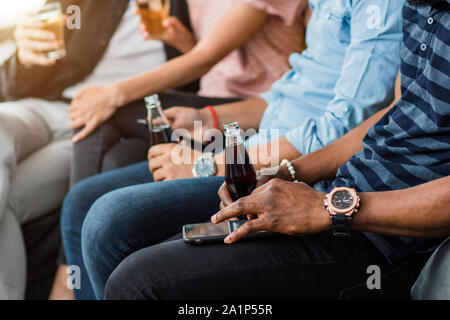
[
  {"x": 228, "y": 239},
  {"x": 214, "y": 218}
]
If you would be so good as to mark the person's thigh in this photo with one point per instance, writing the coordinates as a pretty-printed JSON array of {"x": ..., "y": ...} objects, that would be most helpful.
[
  {"x": 55, "y": 115},
  {"x": 22, "y": 130},
  {"x": 281, "y": 267},
  {"x": 76, "y": 206},
  {"x": 41, "y": 181},
  {"x": 132, "y": 218},
  {"x": 81, "y": 197}
]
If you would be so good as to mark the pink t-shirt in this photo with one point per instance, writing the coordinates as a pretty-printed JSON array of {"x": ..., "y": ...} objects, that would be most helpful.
[{"x": 251, "y": 69}]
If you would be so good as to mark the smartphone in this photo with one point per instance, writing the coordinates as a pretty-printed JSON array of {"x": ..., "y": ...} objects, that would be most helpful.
[{"x": 209, "y": 232}]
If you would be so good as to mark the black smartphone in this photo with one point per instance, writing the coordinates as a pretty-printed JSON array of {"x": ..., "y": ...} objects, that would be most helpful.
[{"x": 209, "y": 232}]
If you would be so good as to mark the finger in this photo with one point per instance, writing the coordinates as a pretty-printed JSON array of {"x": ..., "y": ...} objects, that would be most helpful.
[
  {"x": 30, "y": 57},
  {"x": 75, "y": 114},
  {"x": 36, "y": 34},
  {"x": 245, "y": 230},
  {"x": 172, "y": 113},
  {"x": 38, "y": 45},
  {"x": 156, "y": 163},
  {"x": 78, "y": 122},
  {"x": 243, "y": 207},
  {"x": 144, "y": 32},
  {"x": 88, "y": 129},
  {"x": 225, "y": 195},
  {"x": 159, "y": 175},
  {"x": 31, "y": 23},
  {"x": 172, "y": 22},
  {"x": 157, "y": 150}
]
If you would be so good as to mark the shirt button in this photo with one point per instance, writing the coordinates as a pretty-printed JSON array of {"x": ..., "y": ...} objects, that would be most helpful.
[
  {"x": 345, "y": 109},
  {"x": 329, "y": 16},
  {"x": 430, "y": 20},
  {"x": 423, "y": 46}
]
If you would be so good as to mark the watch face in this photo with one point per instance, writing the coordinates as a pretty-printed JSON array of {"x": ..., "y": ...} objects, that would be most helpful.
[
  {"x": 205, "y": 167},
  {"x": 342, "y": 200}
]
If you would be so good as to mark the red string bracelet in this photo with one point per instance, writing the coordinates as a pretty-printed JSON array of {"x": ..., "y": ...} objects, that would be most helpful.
[{"x": 214, "y": 115}]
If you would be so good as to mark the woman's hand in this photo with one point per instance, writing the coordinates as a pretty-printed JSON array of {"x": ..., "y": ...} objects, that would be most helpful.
[
  {"x": 185, "y": 117},
  {"x": 178, "y": 36},
  {"x": 91, "y": 107},
  {"x": 31, "y": 41},
  {"x": 278, "y": 206},
  {"x": 171, "y": 161}
]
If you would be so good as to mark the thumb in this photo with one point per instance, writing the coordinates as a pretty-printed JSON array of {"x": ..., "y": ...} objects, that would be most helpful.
[
  {"x": 173, "y": 22},
  {"x": 171, "y": 113}
]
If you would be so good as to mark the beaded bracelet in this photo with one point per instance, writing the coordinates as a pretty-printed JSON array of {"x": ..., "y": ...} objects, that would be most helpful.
[{"x": 291, "y": 169}]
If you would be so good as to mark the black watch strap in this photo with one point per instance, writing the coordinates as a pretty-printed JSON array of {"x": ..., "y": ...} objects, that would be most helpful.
[{"x": 341, "y": 225}]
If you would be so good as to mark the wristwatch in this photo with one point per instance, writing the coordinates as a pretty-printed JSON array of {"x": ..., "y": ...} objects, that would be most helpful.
[
  {"x": 205, "y": 166},
  {"x": 342, "y": 204}
]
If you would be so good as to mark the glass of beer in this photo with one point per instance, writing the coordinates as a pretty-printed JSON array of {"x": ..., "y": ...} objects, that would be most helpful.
[
  {"x": 153, "y": 13},
  {"x": 51, "y": 15}
]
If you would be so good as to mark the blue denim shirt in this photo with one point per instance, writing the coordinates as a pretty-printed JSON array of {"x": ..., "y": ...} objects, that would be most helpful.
[{"x": 346, "y": 75}]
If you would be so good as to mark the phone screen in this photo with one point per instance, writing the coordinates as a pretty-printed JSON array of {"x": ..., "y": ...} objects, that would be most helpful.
[{"x": 205, "y": 230}]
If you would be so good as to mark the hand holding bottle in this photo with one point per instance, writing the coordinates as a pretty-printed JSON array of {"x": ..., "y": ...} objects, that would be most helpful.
[{"x": 184, "y": 118}]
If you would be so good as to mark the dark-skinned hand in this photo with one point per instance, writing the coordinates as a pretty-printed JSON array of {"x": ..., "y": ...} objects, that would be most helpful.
[{"x": 277, "y": 206}]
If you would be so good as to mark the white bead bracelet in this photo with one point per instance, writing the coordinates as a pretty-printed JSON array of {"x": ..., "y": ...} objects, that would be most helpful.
[{"x": 292, "y": 172}]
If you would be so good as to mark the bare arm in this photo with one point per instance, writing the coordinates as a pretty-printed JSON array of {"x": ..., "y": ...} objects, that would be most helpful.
[
  {"x": 297, "y": 209},
  {"x": 232, "y": 31},
  {"x": 422, "y": 211}
]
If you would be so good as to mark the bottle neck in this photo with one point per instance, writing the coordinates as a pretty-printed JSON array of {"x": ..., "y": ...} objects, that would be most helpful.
[{"x": 233, "y": 137}]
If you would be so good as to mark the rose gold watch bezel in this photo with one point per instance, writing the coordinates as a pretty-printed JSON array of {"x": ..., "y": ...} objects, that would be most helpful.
[{"x": 348, "y": 212}]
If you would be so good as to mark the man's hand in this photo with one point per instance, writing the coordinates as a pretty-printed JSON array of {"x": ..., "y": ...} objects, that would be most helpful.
[
  {"x": 184, "y": 118},
  {"x": 265, "y": 175},
  {"x": 31, "y": 41},
  {"x": 178, "y": 35},
  {"x": 278, "y": 206},
  {"x": 171, "y": 161},
  {"x": 91, "y": 107}
]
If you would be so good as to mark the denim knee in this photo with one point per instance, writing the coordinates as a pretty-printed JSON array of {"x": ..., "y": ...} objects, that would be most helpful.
[
  {"x": 99, "y": 227},
  {"x": 75, "y": 206}
]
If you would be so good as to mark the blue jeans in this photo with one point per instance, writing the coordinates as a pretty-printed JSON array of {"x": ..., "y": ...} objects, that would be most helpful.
[{"x": 107, "y": 217}]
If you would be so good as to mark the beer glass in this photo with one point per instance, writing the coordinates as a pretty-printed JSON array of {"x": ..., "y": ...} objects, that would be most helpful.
[
  {"x": 153, "y": 13},
  {"x": 51, "y": 15}
]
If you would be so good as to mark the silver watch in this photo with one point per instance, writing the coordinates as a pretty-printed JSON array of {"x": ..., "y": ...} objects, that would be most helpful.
[{"x": 205, "y": 166}]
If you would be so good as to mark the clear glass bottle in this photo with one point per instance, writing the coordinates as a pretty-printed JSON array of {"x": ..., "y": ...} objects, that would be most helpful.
[{"x": 158, "y": 125}]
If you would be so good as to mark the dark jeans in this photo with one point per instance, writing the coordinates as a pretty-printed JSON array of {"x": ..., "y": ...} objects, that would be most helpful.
[
  {"x": 281, "y": 267},
  {"x": 97, "y": 236},
  {"x": 121, "y": 141}
]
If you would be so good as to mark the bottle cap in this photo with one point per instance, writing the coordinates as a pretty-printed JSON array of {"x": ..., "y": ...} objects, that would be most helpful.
[
  {"x": 230, "y": 127},
  {"x": 152, "y": 101}
]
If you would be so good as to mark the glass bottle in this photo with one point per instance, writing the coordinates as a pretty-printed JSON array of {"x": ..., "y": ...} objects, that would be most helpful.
[
  {"x": 240, "y": 175},
  {"x": 158, "y": 125}
]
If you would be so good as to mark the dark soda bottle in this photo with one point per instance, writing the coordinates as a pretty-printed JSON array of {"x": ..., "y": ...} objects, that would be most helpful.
[
  {"x": 158, "y": 125},
  {"x": 240, "y": 175}
]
